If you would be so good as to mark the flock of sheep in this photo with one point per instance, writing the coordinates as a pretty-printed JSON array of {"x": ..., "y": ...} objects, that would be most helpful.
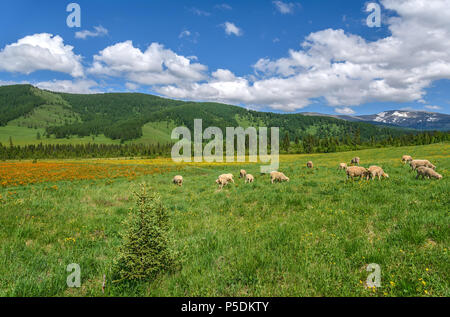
[{"x": 423, "y": 167}]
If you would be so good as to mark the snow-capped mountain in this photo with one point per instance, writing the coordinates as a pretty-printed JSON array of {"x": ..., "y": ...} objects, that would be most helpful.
[{"x": 421, "y": 120}]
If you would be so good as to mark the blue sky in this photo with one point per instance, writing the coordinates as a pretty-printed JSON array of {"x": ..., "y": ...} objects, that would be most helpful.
[{"x": 243, "y": 52}]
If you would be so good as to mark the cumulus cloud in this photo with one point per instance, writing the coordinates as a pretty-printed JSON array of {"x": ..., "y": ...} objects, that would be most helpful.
[
  {"x": 98, "y": 31},
  {"x": 345, "y": 69},
  {"x": 154, "y": 66},
  {"x": 232, "y": 29},
  {"x": 40, "y": 52},
  {"x": 68, "y": 86}
]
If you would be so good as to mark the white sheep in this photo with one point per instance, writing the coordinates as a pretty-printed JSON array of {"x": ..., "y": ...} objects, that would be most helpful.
[
  {"x": 355, "y": 171},
  {"x": 249, "y": 178},
  {"x": 418, "y": 163},
  {"x": 178, "y": 180},
  {"x": 278, "y": 176},
  {"x": 406, "y": 158},
  {"x": 427, "y": 172},
  {"x": 376, "y": 171}
]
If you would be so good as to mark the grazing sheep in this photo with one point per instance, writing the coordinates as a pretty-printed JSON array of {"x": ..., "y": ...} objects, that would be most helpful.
[
  {"x": 343, "y": 166},
  {"x": 375, "y": 171},
  {"x": 278, "y": 176},
  {"x": 178, "y": 180},
  {"x": 249, "y": 178},
  {"x": 242, "y": 174},
  {"x": 355, "y": 171},
  {"x": 418, "y": 163},
  {"x": 222, "y": 181},
  {"x": 355, "y": 160},
  {"x": 406, "y": 158},
  {"x": 228, "y": 177},
  {"x": 310, "y": 164},
  {"x": 427, "y": 172}
]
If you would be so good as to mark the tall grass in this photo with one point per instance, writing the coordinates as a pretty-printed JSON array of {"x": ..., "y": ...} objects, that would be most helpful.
[{"x": 313, "y": 236}]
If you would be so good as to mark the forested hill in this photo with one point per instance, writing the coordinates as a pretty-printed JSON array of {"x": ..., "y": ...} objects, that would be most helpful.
[{"x": 122, "y": 116}]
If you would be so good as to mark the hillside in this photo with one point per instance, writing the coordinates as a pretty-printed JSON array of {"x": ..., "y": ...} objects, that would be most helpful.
[{"x": 30, "y": 115}]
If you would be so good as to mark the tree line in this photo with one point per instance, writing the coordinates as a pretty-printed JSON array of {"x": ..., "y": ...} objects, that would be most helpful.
[{"x": 307, "y": 144}]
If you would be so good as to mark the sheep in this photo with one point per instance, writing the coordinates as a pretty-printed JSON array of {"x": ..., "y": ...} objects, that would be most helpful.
[
  {"x": 374, "y": 171},
  {"x": 228, "y": 177},
  {"x": 310, "y": 164},
  {"x": 418, "y": 163},
  {"x": 354, "y": 171},
  {"x": 278, "y": 176},
  {"x": 178, "y": 180},
  {"x": 355, "y": 160},
  {"x": 406, "y": 158},
  {"x": 343, "y": 166},
  {"x": 427, "y": 172},
  {"x": 222, "y": 181},
  {"x": 242, "y": 174},
  {"x": 249, "y": 178}
]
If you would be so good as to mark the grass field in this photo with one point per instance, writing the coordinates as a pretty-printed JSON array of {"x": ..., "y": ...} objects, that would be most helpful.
[
  {"x": 152, "y": 133},
  {"x": 313, "y": 236}
]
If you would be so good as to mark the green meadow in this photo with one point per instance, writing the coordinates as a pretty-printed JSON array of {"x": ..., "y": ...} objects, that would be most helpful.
[
  {"x": 312, "y": 236},
  {"x": 152, "y": 133}
]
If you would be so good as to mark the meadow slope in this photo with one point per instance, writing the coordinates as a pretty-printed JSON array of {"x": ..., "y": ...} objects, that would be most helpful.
[{"x": 313, "y": 236}]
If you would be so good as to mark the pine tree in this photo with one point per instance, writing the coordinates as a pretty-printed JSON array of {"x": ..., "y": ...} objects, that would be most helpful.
[
  {"x": 147, "y": 248},
  {"x": 286, "y": 142}
]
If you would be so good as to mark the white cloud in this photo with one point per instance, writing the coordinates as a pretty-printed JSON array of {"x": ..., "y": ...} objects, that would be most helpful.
[
  {"x": 154, "y": 66},
  {"x": 344, "y": 110},
  {"x": 200, "y": 12},
  {"x": 345, "y": 69},
  {"x": 185, "y": 33},
  {"x": 223, "y": 6},
  {"x": 99, "y": 31},
  {"x": 285, "y": 7},
  {"x": 40, "y": 52},
  {"x": 435, "y": 108},
  {"x": 132, "y": 86},
  {"x": 69, "y": 86},
  {"x": 232, "y": 29},
  {"x": 189, "y": 36}
]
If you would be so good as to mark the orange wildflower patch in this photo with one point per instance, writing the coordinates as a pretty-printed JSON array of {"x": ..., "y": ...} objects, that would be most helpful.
[{"x": 24, "y": 173}]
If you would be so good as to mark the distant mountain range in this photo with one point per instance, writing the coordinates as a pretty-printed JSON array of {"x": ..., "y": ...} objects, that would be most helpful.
[{"x": 420, "y": 120}]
